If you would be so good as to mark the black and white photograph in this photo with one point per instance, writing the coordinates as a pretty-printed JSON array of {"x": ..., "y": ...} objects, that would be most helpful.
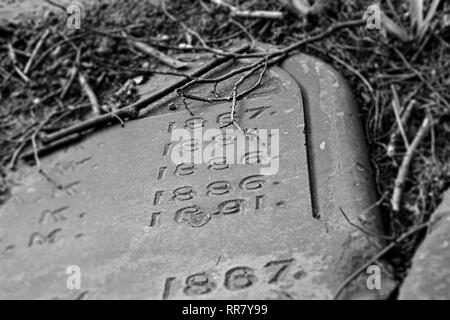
[{"x": 230, "y": 157}]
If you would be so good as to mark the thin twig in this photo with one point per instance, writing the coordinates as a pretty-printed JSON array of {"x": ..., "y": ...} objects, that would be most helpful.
[
  {"x": 96, "y": 109},
  {"x": 396, "y": 107},
  {"x": 134, "y": 72},
  {"x": 57, "y": 5},
  {"x": 132, "y": 111},
  {"x": 255, "y": 66},
  {"x": 17, "y": 152},
  {"x": 164, "y": 58},
  {"x": 72, "y": 75},
  {"x": 349, "y": 67},
  {"x": 365, "y": 230},
  {"x": 12, "y": 56},
  {"x": 392, "y": 145},
  {"x": 35, "y": 51},
  {"x": 376, "y": 257},
  {"x": 34, "y": 144},
  {"x": 182, "y": 24},
  {"x": 255, "y": 14},
  {"x": 404, "y": 168},
  {"x": 277, "y": 54},
  {"x": 240, "y": 26},
  {"x": 234, "y": 93}
]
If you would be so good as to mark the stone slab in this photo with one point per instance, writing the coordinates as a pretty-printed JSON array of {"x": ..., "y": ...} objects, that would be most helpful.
[
  {"x": 429, "y": 277},
  {"x": 341, "y": 170},
  {"x": 141, "y": 227}
]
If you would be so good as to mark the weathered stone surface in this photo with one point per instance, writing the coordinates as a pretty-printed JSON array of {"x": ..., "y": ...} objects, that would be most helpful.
[
  {"x": 429, "y": 277},
  {"x": 140, "y": 226},
  {"x": 339, "y": 167}
]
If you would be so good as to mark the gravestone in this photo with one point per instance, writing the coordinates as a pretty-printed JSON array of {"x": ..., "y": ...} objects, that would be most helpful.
[
  {"x": 428, "y": 278},
  {"x": 135, "y": 223}
]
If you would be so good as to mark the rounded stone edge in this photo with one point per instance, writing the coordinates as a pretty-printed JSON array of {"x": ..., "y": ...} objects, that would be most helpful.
[{"x": 341, "y": 169}]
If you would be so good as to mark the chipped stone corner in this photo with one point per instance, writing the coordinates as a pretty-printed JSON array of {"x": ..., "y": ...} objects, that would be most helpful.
[{"x": 429, "y": 276}]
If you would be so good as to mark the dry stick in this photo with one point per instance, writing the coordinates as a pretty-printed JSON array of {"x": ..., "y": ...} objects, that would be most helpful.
[
  {"x": 378, "y": 256},
  {"x": 53, "y": 146},
  {"x": 349, "y": 67},
  {"x": 240, "y": 26},
  {"x": 223, "y": 3},
  {"x": 22, "y": 53},
  {"x": 234, "y": 94},
  {"x": 404, "y": 168},
  {"x": 12, "y": 163},
  {"x": 35, "y": 152},
  {"x": 219, "y": 79},
  {"x": 64, "y": 113},
  {"x": 254, "y": 66},
  {"x": 5, "y": 74},
  {"x": 182, "y": 24},
  {"x": 72, "y": 75},
  {"x": 21, "y": 74},
  {"x": 169, "y": 47},
  {"x": 35, "y": 51},
  {"x": 428, "y": 84},
  {"x": 295, "y": 46},
  {"x": 34, "y": 144},
  {"x": 391, "y": 148},
  {"x": 55, "y": 4},
  {"x": 96, "y": 109},
  {"x": 363, "y": 229},
  {"x": 320, "y": 36},
  {"x": 230, "y": 74},
  {"x": 204, "y": 46},
  {"x": 396, "y": 107},
  {"x": 275, "y": 54},
  {"x": 245, "y": 92},
  {"x": 12, "y": 56},
  {"x": 56, "y": 45},
  {"x": 257, "y": 14},
  {"x": 84, "y": 84},
  {"x": 12, "y": 53},
  {"x": 332, "y": 29},
  {"x": 141, "y": 72},
  {"x": 164, "y": 58},
  {"x": 132, "y": 111}
]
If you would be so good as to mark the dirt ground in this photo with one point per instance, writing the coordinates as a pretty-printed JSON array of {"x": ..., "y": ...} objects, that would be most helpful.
[{"x": 401, "y": 81}]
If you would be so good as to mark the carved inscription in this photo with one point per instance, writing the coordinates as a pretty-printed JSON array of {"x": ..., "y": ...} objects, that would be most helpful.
[
  {"x": 185, "y": 198},
  {"x": 235, "y": 278}
]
